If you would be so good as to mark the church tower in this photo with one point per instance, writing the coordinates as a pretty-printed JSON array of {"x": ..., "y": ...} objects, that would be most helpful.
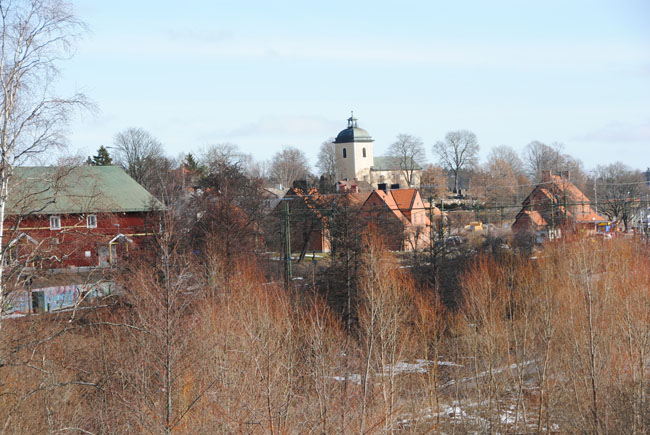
[{"x": 354, "y": 156}]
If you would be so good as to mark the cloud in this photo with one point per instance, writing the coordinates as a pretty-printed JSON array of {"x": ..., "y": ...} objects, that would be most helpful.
[{"x": 619, "y": 132}]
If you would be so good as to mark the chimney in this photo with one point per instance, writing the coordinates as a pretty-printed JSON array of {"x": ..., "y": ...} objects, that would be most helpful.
[
  {"x": 546, "y": 176},
  {"x": 354, "y": 189}
]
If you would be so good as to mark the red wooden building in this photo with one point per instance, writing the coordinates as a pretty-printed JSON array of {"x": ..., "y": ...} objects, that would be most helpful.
[{"x": 61, "y": 217}]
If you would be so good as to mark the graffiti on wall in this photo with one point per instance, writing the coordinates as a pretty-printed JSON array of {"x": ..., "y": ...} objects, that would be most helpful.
[{"x": 55, "y": 298}]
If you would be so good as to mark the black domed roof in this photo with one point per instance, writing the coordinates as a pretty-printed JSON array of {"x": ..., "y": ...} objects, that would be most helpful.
[{"x": 353, "y": 133}]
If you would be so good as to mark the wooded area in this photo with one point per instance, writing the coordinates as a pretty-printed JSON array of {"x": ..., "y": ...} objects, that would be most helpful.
[{"x": 554, "y": 343}]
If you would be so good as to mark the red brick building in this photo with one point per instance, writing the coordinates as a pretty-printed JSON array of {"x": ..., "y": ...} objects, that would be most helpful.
[
  {"x": 61, "y": 217},
  {"x": 555, "y": 205},
  {"x": 401, "y": 216}
]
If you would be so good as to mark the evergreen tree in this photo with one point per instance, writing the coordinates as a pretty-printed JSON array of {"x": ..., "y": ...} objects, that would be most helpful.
[
  {"x": 102, "y": 158},
  {"x": 193, "y": 165}
]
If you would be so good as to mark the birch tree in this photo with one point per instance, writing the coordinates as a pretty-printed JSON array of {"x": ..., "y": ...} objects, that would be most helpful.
[{"x": 35, "y": 36}]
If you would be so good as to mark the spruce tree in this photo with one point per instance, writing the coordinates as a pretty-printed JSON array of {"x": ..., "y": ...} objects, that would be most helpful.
[{"x": 102, "y": 158}]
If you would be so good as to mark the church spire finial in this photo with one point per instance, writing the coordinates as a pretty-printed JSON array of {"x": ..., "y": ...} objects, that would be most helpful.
[{"x": 352, "y": 121}]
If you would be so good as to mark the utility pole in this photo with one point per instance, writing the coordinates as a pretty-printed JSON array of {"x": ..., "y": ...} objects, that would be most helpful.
[
  {"x": 553, "y": 218},
  {"x": 287, "y": 244},
  {"x": 431, "y": 229}
]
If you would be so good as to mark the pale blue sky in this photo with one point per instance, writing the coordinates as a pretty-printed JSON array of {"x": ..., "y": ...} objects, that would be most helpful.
[{"x": 266, "y": 74}]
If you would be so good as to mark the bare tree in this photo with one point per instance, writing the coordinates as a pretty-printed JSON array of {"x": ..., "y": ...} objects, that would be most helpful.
[
  {"x": 327, "y": 160},
  {"x": 137, "y": 151},
  {"x": 289, "y": 165},
  {"x": 538, "y": 157},
  {"x": 225, "y": 154},
  {"x": 34, "y": 37},
  {"x": 458, "y": 151},
  {"x": 617, "y": 186},
  {"x": 507, "y": 154},
  {"x": 433, "y": 182},
  {"x": 258, "y": 170},
  {"x": 495, "y": 182},
  {"x": 410, "y": 154}
]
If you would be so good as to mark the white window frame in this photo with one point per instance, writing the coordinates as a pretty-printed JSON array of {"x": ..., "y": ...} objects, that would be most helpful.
[
  {"x": 91, "y": 221},
  {"x": 55, "y": 222}
]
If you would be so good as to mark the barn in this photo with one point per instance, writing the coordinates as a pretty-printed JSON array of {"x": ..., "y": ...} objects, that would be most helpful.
[{"x": 75, "y": 217}]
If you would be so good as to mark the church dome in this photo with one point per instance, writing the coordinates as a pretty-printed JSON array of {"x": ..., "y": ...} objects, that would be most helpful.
[{"x": 353, "y": 133}]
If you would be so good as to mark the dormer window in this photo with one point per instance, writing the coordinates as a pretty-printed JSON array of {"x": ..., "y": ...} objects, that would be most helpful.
[
  {"x": 55, "y": 222},
  {"x": 91, "y": 221},
  {"x": 345, "y": 153}
]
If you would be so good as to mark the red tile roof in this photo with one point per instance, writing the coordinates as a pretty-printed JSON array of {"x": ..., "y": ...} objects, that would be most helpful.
[
  {"x": 402, "y": 202},
  {"x": 560, "y": 191},
  {"x": 404, "y": 198},
  {"x": 536, "y": 218}
]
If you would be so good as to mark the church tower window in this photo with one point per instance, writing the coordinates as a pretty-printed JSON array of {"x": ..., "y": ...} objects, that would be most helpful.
[
  {"x": 364, "y": 152},
  {"x": 345, "y": 153}
]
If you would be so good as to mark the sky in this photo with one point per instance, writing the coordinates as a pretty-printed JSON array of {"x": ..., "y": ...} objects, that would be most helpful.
[{"x": 263, "y": 75}]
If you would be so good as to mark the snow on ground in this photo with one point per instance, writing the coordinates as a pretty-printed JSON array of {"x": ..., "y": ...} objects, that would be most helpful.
[
  {"x": 402, "y": 367},
  {"x": 419, "y": 366},
  {"x": 353, "y": 377},
  {"x": 486, "y": 373}
]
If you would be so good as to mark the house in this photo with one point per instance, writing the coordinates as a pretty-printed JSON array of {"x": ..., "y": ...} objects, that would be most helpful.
[
  {"x": 402, "y": 216},
  {"x": 309, "y": 214},
  {"x": 555, "y": 205},
  {"x": 88, "y": 216},
  {"x": 355, "y": 160},
  {"x": 272, "y": 197}
]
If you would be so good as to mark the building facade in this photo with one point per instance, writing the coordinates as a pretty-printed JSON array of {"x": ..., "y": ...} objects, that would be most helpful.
[
  {"x": 87, "y": 216},
  {"x": 355, "y": 160},
  {"x": 555, "y": 205},
  {"x": 401, "y": 218}
]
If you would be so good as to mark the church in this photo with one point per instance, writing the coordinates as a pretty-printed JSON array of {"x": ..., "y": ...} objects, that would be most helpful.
[{"x": 355, "y": 160}]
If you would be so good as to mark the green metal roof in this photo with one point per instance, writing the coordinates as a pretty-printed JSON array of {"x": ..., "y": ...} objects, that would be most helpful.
[
  {"x": 353, "y": 133},
  {"x": 82, "y": 189},
  {"x": 391, "y": 163}
]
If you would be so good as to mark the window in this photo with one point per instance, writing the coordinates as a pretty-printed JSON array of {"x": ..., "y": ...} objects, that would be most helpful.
[
  {"x": 364, "y": 152},
  {"x": 91, "y": 221},
  {"x": 55, "y": 222},
  {"x": 345, "y": 153}
]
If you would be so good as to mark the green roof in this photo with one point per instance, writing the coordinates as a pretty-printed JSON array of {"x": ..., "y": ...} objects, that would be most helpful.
[
  {"x": 353, "y": 134},
  {"x": 391, "y": 163},
  {"x": 80, "y": 189}
]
